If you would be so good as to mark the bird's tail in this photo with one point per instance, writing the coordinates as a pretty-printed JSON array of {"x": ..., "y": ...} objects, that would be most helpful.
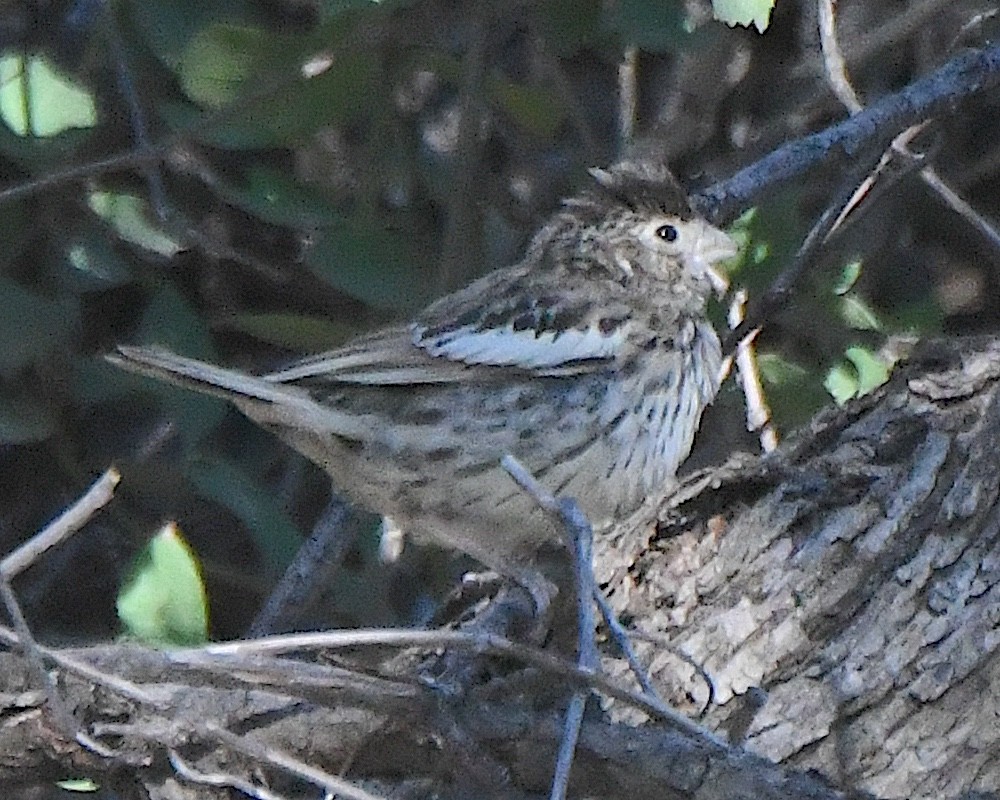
[
  {"x": 155, "y": 362},
  {"x": 267, "y": 403}
]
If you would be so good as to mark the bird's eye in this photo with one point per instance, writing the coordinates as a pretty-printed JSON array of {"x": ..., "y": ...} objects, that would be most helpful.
[{"x": 667, "y": 232}]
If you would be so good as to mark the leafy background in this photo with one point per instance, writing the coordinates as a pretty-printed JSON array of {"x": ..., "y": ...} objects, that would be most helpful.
[{"x": 171, "y": 176}]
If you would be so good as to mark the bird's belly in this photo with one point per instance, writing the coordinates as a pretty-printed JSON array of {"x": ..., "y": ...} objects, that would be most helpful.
[{"x": 437, "y": 471}]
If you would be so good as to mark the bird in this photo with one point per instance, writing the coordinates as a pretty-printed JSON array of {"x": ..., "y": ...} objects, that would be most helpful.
[{"x": 590, "y": 361}]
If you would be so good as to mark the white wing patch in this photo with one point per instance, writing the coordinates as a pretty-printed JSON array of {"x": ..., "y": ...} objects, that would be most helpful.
[{"x": 505, "y": 347}]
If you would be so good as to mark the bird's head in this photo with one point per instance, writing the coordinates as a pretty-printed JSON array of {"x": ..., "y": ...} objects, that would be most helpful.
[{"x": 636, "y": 222}]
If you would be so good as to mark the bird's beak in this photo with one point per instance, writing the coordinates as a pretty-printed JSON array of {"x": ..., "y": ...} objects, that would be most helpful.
[{"x": 713, "y": 247}]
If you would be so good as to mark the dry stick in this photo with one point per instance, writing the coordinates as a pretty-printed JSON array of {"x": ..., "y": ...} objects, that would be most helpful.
[
  {"x": 61, "y": 528},
  {"x": 580, "y": 534},
  {"x": 479, "y": 643},
  {"x": 758, "y": 412},
  {"x": 576, "y": 521},
  {"x": 287, "y": 763},
  {"x": 224, "y": 780},
  {"x": 628, "y": 95},
  {"x": 217, "y": 656},
  {"x": 763, "y": 306},
  {"x": 938, "y": 93},
  {"x": 836, "y": 75},
  {"x": 326, "y": 545},
  {"x": 136, "y": 114},
  {"x": 136, "y": 693},
  {"x": 261, "y": 753},
  {"x": 580, "y": 539}
]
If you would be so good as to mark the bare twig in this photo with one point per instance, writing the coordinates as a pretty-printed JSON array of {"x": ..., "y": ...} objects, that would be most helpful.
[
  {"x": 330, "y": 537},
  {"x": 628, "y": 96},
  {"x": 580, "y": 536},
  {"x": 287, "y": 763},
  {"x": 63, "y": 526},
  {"x": 189, "y": 773},
  {"x": 936, "y": 94},
  {"x": 758, "y": 413},
  {"x": 836, "y": 74}
]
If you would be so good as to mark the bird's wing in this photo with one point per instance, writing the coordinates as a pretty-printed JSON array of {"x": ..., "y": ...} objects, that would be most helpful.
[
  {"x": 386, "y": 357},
  {"x": 496, "y": 324}
]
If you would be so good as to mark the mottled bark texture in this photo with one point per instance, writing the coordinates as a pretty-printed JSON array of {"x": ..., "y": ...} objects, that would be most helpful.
[{"x": 836, "y": 606}]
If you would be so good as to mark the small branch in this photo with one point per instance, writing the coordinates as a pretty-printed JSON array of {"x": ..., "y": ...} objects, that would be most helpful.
[
  {"x": 937, "y": 94},
  {"x": 325, "y": 546},
  {"x": 61, "y": 528},
  {"x": 189, "y": 773},
  {"x": 758, "y": 413},
  {"x": 287, "y": 763},
  {"x": 64, "y": 526},
  {"x": 836, "y": 75},
  {"x": 833, "y": 58},
  {"x": 628, "y": 96}
]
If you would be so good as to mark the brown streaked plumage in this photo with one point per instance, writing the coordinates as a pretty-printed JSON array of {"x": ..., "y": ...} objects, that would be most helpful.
[{"x": 590, "y": 361}]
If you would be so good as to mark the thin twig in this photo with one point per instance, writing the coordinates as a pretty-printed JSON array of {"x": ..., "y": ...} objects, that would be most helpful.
[
  {"x": 399, "y": 638},
  {"x": 580, "y": 540},
  {"x": 763, "y": 307},
  {"x": 758, "y": 414},
  {"x": 836, "y": 75},
  {"x": 939, "y": 93},
  {"x": 220, "y": 779},
  {"x": 136, "y": 114},
  {"x": 325, "y": 546},
  {"x": 287, "y": 763},
  {"x": 833, "y": 58},
  {"x": 628, "y": 96},
  {"x": 622, "y": 639},
  {"x": 63, "y": 526}
]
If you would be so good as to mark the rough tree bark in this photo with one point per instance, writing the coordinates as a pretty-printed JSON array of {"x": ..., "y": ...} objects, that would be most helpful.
[
  {"x": 832, "y": 608},
  {"x": 852, "y": 577}
]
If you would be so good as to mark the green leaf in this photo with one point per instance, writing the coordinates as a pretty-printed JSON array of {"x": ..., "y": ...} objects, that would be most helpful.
[
  {"x": 32, "y": 325},
  {"x": 858, "y": 314},
  {"x": 369, "y": 263},
  {"x": 130, "y": 216},
  {"x": 296, "y": 332},
  {"x": 92, "y": 264},
  {"x": 538, "y": 109},
  {"x": 24, "y": 419},
  {"x": 744, "y": 12},
  {"x": 167, "y": 27},
  {"x": 35, "y": 100},
  {"x": 280, "y": 200},
  {"x": 260, "y": 81},
  {"x": 227, "y": 484},
  {"x": 78, "y": 785},
  {"x": 872, "y": 370},
  {"x": 654, "y": 25},
  {"x": 779, "y": 371},
  {"x": 848, "y": 277},
  {"x": 842, "y": 383},
  {"x": 863, "y": 372},
  {"x": 164, "y": 600},
  {"x": 794, "y": 392},
  {"x": 219, "y": 60}
]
